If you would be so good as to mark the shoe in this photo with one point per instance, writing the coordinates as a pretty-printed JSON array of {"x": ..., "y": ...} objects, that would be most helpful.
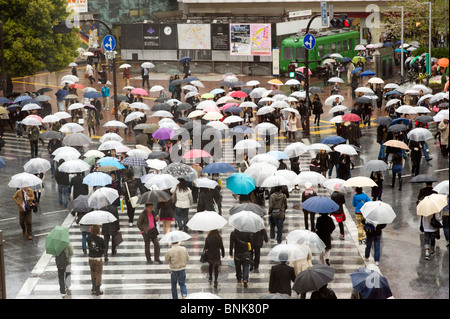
[
  {"x": 429, "y": 159},
  {"x": 427, "y": 257},
  {"x": 24, "y": 232},
  {"x": 432, "y": 252},
  {"x": 327, "y": 261},
  {"x": 377, "y": 263},
  {"x": 29, "y": 237},
  {"x": 342, "y": 237},
  {"x": 63, "y": 295},
  {"x": 159, "y": 261},
  {"x": 245, "y": 284},
  {"x": 360, "y": 242},
  {"x": 130, "y": 224},
  {"x": 216, "y": 284}
]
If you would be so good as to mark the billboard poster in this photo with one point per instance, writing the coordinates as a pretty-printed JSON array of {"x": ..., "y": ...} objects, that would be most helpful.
[
  {"x": 151, "y": 36},
  {"x": 220, "y": 37},
  {"x": 168, "y": 37},
  {"x": 194, "y": 36},
  {"x": 78, "y": 6},
  {"x": 250, "y": 39}
]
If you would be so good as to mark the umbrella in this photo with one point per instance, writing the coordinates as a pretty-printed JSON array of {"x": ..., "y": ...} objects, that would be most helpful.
[
  {"x": 97, "y": 217},
  {"x": 333, "y": 140},
  {"x": 276, "y": 180},
  {"x": 31, "y": 121},
  {"x": 74, "y": 166},
  {"x": 154, "y": 196},
  {"x": 319, "y": 147},
  {"x": 320, "y": 204},
  {"x": 360, "y": 181},
  {"x": 295, "y": 149},
  {"x": 246, "y": 221},
  {"x": 205, "y": 183},
  {"x": 308, "y": 238},
  {"x": 376, "y": 166},
  {"x": 24, "y": 180},
  {"x": 419, "y": 134},
  {"x": 80, "y": 204},
  {"x": 97, "y": 179},
  {"x": 109, "y": 145},
  {"x": 134, "y": 161},
  {"x": 174, "y": 236},
  {"x": 163, "y": 133},
  {"x": 384, "y": 120},
  {"x": 345, "y": 149},
  {"x": 57, "y": 240},
  {"x": 218, "y": 168},
  {"x": 287, "y": 252},
  {"x": 424, "y": 119},
  {"x": 264, "y": 158},
  {"x": 313, "y": 278},
  {"x": 396, "y": 144},
  {"x": 180, "y": 170},
  {"x": 432, "y": 204},
  {"x": 278, "y": 155},
  {"x": 443, "y": 62},
  {"x": 423, "y": 178},
  {"x": 378, "y": 212},
  {"x": 260, "y": 171},
  {"x": 103, "y": 197},
  {"x": 336, "y": 184},
  {"x": 240, "y": 183},
  {"x": 156, "y": 164},
  {"x": 158, "y": 155},
  {"x": 196, "y": 153},
  {"x": 71, "y": 128},
  {"x": 92, "y": 95},
  {"x": 309, "y": 176},
  {"x": 76, "y": 139},
  {"x": 370, "y": 284},
  {"x": 356, "y": 70},
  {"x": 335, "y": 79},
  {"x": 367, "y": 73},
  {"x": 37, "y": 165},
  {"x": 147, "y": 65},
  {"x": 351, "y": 117},
  {"x": 206, "y": 221},
  {"x": 442, "y": 187},
  {"x": 161, "y": 181},
  {"x": 255, "y": 208},
  {"x": 246, "y": 144}
]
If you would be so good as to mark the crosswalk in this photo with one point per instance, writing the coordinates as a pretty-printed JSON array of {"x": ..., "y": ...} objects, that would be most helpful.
[{"x": 127, "y": 275}]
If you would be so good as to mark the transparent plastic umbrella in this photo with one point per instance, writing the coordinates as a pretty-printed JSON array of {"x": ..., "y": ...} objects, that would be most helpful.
[
  {"x": 206, "y": 221},
  {"x": 97, "y": 217},
  {"x": 306, "y": 237},
  {"x": 174, "y": 236},
  {"x": 287, "y": 252},
  {"x": 378, "y": 212},
  {"x": 246, "y": 221},
  {"x": 37, "y": 165},
  {"x": 102, "y": 197},
  {"x": 24, "y": 180}
]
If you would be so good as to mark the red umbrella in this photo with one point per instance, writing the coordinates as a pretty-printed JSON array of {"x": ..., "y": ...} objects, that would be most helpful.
[
  {"x": 196, "y": 154},
  {"x": 139, "y": 91},
  {"x": 238, "y": 94},
  {"x": 351, "y": 117},
  {"x": 77, "y": 86}
]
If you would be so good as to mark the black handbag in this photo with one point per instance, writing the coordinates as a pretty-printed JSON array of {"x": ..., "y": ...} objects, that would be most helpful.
[
  {"x": 203, "y": 258},
  {"x": 118, "y": 239},
  {"x": 152, "y": 233},
  {"x": 435, "y": 223}
]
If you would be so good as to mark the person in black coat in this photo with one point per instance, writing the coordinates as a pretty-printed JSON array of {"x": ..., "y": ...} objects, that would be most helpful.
[
  {"x": 205, "y": 200},
  {"x": 426, "y": 191},
  {"x": 259, "y": 238},
  {"x": 110, "y": 230},
  {"x": 214, "y": 249},
  {"x": 281, "y": 276},
  {"x": 416, "y": 156},
  {"x": 240, "y": 252},
  {"x": 339, "y": 215},
  {"x": 76, "y": 184},
  {"x": 324, "y": 228},
  {"x": 323, "y": 293}
]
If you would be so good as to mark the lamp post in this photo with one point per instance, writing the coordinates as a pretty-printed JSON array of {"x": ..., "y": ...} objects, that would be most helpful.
[
  {"x": 429, "y": 43},
  {"x": 401, "y": 47}
]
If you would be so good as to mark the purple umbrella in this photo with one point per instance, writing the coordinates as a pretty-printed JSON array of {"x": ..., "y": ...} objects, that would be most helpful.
[{"x": 163, "y": 133}]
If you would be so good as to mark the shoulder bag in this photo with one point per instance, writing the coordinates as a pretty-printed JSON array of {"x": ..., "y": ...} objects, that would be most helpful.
[{"x": 133, "y": 200}]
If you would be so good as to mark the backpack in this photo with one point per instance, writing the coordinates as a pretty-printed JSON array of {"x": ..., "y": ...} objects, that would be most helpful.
[
  {"x": 61, "y": 260},
  {"x": 369, "y": 228}
]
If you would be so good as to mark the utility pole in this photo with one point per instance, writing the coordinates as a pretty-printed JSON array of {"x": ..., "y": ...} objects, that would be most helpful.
[{"x": 2, "y": 61}]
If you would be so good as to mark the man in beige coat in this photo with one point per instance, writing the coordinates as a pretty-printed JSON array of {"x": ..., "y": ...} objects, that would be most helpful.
[
  {"x": 24, "y": 197},
  {"x": 443, "y": 129},
  {"x": 177, "y": 257}
]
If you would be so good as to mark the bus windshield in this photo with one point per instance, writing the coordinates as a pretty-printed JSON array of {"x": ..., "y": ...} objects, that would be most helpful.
[{"x": 288, "y": 53}]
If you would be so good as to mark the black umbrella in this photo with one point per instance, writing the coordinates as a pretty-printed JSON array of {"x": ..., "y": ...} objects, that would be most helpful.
[
  {"x": 363, "y": 99},
  {"x": 384, "y": 120},
  {"x": 80, "y": 204},
  {"x": 226, "y": 83},
  {"x": 183, "y": 106},
  {"x": 154, "y": 196},
  {"x": 257, "y": 209},
  {"x": 43, "y": 90},
  {"x": 161, "y": 107},
  {"x": 177, "y": 82},
  {"x": 397, "y": 128},
  {"x": 424, "y": 119},
  {"x": 315, "y": 89},
  {"x": 52, "y": 134},
  {"x": 423, "y": 178},
  {"x": 158, "y": 155},
  {"x": 161, "y": 99},
  {"x": 313, "y": 278},
  {"x": 183, "y": 120},
  {"x": 122, "y": 97}
]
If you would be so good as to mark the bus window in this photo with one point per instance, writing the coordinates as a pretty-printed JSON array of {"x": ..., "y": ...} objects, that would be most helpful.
[
  {"x": 333, "y": 47},
  {"x": 288, "y": 53},
  {"x": 339, "y": 47},
  {"x": 320, "y": 51},
  {"x": 344, "y": 46},
  {"x": 300, "y": 53},
  {"x": 328, "y": 48}
]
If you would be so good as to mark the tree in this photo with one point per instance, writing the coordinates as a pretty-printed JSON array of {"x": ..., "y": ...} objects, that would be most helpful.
[
  {"x": 30, "y": 45},
  {"x": 416, "y": 19}
]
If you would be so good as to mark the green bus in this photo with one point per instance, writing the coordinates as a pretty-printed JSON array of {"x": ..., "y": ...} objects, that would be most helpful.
[{"x": 328, "y": 42}]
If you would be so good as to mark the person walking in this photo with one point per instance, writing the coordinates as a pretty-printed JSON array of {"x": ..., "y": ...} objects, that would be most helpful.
[
  {"x": 62, "y": 262},
  {"x": 317, "y": 107},
  {"x": 323, "y": 293},
  {"x": 444, "y": 131},
  {"x": 166, "y": 213},
  {"x": 339, "y": 198},
  {"x": 24, "y": 198},
  {"x": 416, "y": 156},
  {"x": 292, "y": 127},
  {"x": 214, "y": 249},
  {"x": 77, "y": 187},
  {"x": 377, "y": 191},
  {"x": 277, "y": 209},
  {"x": 281, "y": 276},
  {"x": 182, "y": 199},
  {"x": 147, "y": 225},
  {"x": 429, "y": 233},
  {"x": 126, "y": 76},
  {"x": 129, "y": 188},
  {"x": 62, "y": 179},
  {"x": 91, "y": 121},
  {"x": 96, "y": 247},
  {"x": 177, "y": 257},
  {"x": 33, "y": 133},
  {"x": 397, "y": 168},
  {"x": 373, "y": 235},
  {"x": 306, "y": 194},
  {"x": 324, "y": 228},
  {"x": 324, "y": 162},
  {"x": 106, "y": 92},
  {"x": 358, "y": 200},
  {"x": 259, "y": 238},
  {"x": 89, "y": 73},
  {"x": 240, "y": 252},
  {"x": 110, "y": 231},
  {"x": 145, "y": 77}
]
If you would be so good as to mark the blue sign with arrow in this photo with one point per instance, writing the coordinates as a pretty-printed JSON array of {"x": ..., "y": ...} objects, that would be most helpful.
[
  {"x": 109, "y": 43},
  {"x": 309, "y": 41}
]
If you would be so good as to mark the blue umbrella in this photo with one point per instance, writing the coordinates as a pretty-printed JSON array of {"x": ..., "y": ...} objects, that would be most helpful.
[
  {"x": 217, "y": 91},
  {"x": 97, "y": 179},
  {"x": 116, "y": 164},
  {"x": 392, "y": 93},
  {"x": 388, "y": 44},
  {"x": 242, "y": 129},
  {"x": 400, "y": 50},
  {"x": 22, "y": 98},
  {"x": 356, "y": 70},
  {"x": 400, "y": 120},
  {"x": 234, "y": 109},
  {"x": 320, "y": 204},
  {"x": 13, "y": 107},
  {"x": 333, "y": 140},
  {"x": 217, "y": 168},
  {"x": 107, "y": 159},
  {"x": 279, "y": 155},
  {"x": 190, "y": 79},
  {"x": 185, "y": 58},
  {"x": 240, "y": 183},
  {"x": 92, "y": 95},
  {"x": 370, "y": 284},
  {"x": 367, "y": 73},
  {"x": 4, "y": 100},
  {"x": 60, "y": 94},
  {"x": 346, "y": 60}
]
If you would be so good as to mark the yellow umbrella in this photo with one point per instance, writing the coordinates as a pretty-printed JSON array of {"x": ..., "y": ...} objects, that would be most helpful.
[
  {"x": 3, "y": 110},
  {"x": 276, "y": 82},
  {"x": 431, "y": 204}
]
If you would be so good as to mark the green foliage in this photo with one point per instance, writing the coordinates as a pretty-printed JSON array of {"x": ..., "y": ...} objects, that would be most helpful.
[
  {"x": 435, "y": 52},
  {"x": 29, "y": 42}
]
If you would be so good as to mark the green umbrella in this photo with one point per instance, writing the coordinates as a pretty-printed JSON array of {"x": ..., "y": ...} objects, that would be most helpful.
[
  {"x": 356, "y": 59},
  {"x": 90, "y": 160},
  {"x": 57, "y": 240}
]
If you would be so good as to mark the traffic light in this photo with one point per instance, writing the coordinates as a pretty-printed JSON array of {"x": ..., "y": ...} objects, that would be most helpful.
[{"x": 342, "y": 22}]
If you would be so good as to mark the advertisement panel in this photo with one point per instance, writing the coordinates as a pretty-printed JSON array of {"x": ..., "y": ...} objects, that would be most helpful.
[
  {"x": 194, "y": 36},
  {"x": 220, "y": 37},
  {"x": 151, "y": 36},
  {"x": 77, "y": 5},
  {"x": 250, "y": 39}
]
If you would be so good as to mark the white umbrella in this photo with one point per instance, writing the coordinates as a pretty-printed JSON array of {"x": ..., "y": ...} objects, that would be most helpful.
[
  {"x": 405, "y": 109},
  {"x": 233, "y": 119},
  {"x": 30, "y": 106},
  {"x": 24, "y": 180},
  {"x": 74, "y": 166},
  {"x": 139, "y": 106},
  {"x": 95, "y": 153},
  {"x": 206, "y": 221},
  {"x": 147, "y": 65},
  {"x": 332, "y": 98},
  {"x": 308, "y": 238},
  {"x": 264, "y": 158},
  {"x": 205, "y": 183},
  {"x": 319, "y": 147},
  {"x": 345, "y": 149},
  {"x": 257, "y": 92},
  {"x": 246, "y": 144},
  {"x": 289, "y": 110},
  {"x": 115, "y": 123},
  {"x": 67, "y": 155},
  {"x": 195, "y": 114},
  {"x": 378, "y": 212},
  {"x": 97, "y": 217},
  {"x": 266, "y": 129},
  {"x": 174, "y": 236},
  {"x": 212, "y": 116},
  {"x": 276, "y": 180},
  {"x": 280, "y": 104},
  {"x": 287, "y": 252},
  {"x": 363, "y": 89},
  {"x": 71, "y": 128},
  {"x": 156, "y": 164},
  {"x": 336, "y": 184},
  {"x": 442, "y": 187},
  {"x": 110, "y": 137},
  {"x": 75, "y": 106},
  {"x": 248, "y": 104},
  {"x": 76, "y": 139},
  {"x": 295, "y": 149},
  {"x": 335, "y": 79},
  {"x": 64, "y": 149},
  {"x": 218, "y": 125},
  {"x": 133, "y": 116},
  {"x": 162, "y": 113},
  {"x": 32, "y": 121},
  {"x": 138, "y": 153},
  {"x": 419, "y": 134},
  {"x": 62, "y": 115},
  {"x": 259, "y": 172},
  {"x": 441, "y": 115},
  {"x": 246, "y": 221},
  {"x": 337, "y": 119},
  {"x": 309, "y": 176},
  {"x": 292, "y": 82},
  {"x": 102, "y": 197},
  {"x": 392, "y": 101},
  {"x": 125, "y": 65},
  {"x": 421, "y": 110},
  {"x": 265, "y": 110},
  {"x": 376, "y": 80},
  {"x": 432, "y": 204},
  {"x": 161, "y": 181},
  {"x": 252, "y": 83},
  {"x": 109, "y": 145},
  {"x": 37, "y": 165},
  {"x": 50, "y": 119},
  {"x": 337, "y": 108},
  {"x": 391, "y": 86}
]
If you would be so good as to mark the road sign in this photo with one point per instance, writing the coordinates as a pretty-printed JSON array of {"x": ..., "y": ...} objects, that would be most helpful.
[
  {"x": 309, "y": 41},
  {"x": 323, "y": 13},
  {"x": 109, "y": 43}
]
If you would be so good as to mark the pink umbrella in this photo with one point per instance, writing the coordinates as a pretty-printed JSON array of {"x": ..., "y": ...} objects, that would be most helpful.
[
  {"x": 351, "y": 117},
  {"x": 436, "y": 109},
  {"x": 223, "y": 108},
  {"x": 238, "y": 94},
  {"x": 139, "y": 91},
  {"x": 37, "y": 117},
  {"x": 196, "y": 154},
  {"x": 302, "y": 69},
  {"x": 211, "y": 108}
]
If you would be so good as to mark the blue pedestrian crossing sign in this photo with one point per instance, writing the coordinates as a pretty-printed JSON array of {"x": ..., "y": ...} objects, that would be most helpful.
[
  {"x": 309, "y": 41},
  {"x": 109, "y": 43}
]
